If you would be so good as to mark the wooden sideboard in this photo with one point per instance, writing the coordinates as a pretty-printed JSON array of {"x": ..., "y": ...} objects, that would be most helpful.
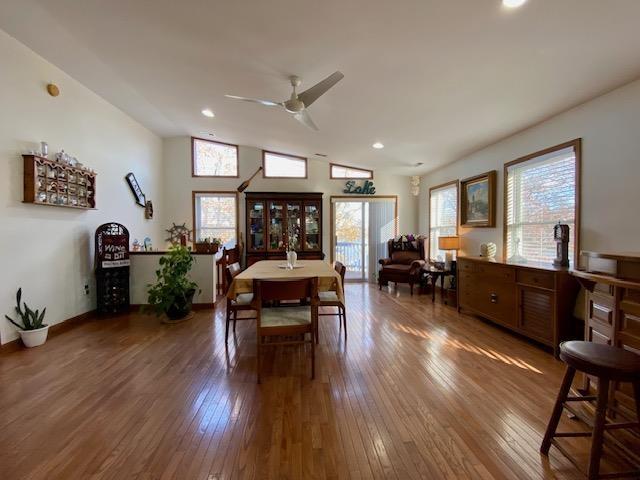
[
  {"x": 533, "y": 300},
  {"x": 612, "y": 312},
  {"x": 278, "y": 219}
]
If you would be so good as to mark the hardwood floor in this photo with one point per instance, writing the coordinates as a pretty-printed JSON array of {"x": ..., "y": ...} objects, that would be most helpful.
[{"x": 418, "y": 391}]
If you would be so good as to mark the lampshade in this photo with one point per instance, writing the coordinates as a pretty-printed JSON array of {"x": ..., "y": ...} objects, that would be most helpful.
[{"x": 448, "y": 243}]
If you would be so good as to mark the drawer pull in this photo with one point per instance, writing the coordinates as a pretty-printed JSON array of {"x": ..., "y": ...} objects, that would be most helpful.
[{"x": 494, "y": 298}]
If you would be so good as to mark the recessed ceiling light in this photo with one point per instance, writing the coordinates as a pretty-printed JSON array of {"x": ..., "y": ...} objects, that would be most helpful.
[
  {"x": 378, "y": 145},
  {"x": 208, "y": 113},
  {"x": 513, "y": 3}
]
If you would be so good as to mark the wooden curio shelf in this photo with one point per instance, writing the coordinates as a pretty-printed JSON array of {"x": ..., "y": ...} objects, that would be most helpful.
[{"x": 47, "y": 182}]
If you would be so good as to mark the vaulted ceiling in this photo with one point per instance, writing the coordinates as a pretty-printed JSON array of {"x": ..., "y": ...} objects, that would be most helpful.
[{"x": 431, "y": 79}]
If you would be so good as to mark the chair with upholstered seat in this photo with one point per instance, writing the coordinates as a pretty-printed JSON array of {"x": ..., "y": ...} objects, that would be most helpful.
[
  {"x": 289, "y": 322},
  {"x": 331, "y": 299},
  {"x": 242, "y": 302},
  {"x": 407, "y": 255}
]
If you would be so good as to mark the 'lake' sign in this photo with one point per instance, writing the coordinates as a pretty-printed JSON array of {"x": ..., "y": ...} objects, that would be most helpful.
[{"x": 366, "y": 189}]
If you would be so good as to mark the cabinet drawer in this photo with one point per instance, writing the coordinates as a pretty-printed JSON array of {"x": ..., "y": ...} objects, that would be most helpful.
[
  {"x": 494, "y": 272},
  {"x": 535, "y": 278},
  {"x": 600, "y": 309},
  {"x": 496, "y": 301}
]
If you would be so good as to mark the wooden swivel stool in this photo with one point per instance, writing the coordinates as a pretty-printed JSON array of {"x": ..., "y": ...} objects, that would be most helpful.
[{"x": 607, "y": 364}]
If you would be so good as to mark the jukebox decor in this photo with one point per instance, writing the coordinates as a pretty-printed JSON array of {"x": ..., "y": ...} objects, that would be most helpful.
[{"x": 112, "y": 268}]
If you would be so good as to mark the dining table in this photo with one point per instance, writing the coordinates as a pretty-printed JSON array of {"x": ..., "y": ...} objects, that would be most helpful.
[{"x": 328, "y": 279}]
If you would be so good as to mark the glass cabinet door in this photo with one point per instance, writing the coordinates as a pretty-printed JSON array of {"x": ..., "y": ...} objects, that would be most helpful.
[
  {"x": 276, "y": 227},
  {"x": 312, "y": 227},
  {"x": 294, "y": 226},
  {"x": 256, "y": 226}
]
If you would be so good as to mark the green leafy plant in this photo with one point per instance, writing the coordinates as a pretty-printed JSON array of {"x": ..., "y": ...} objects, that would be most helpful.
[
  {"x": 173, "y": 291},
  {"x": 30, "y": 320}
]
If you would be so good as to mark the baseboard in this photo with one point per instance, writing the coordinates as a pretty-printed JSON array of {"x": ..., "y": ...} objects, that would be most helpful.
[
  {"x": 57, "y": 329},
  {"x": 196, "y": 306}
]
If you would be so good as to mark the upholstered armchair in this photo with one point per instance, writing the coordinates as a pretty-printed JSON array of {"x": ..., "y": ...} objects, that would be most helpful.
[{"x": 407, "y": 255}]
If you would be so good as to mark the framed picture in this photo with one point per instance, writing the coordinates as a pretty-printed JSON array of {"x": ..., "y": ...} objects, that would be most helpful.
[
  {"x": 478, "y": 201},
  {"x": 136, "y": 190}
]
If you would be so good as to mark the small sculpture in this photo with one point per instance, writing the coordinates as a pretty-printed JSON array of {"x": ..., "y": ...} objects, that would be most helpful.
[{"x": 488, "y": 250}]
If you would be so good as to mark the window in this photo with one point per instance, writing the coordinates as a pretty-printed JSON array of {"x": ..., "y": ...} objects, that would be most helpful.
[
  {"x": 215, "y": 215},
  {"x": 443, "y": 216},
  {"x": 278, "y": 165},
  {"x": 351, "y": 173},
  {"x": 213, "y": 159},
  {"x": 540, "y": 191}
]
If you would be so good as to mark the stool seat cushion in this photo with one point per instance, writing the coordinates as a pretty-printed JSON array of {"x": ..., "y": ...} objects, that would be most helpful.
[{"x": 601, "y": 360}]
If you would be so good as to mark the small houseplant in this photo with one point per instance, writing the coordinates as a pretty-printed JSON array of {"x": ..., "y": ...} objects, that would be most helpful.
[
  {"x": 32, "y": 331},
  {"x": 172, "y": 294}
]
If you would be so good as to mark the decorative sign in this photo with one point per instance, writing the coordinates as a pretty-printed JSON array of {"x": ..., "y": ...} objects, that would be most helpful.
[
  {"x": 366, "y": 189},
  {"x": 112, "y": 246},
  {"x": 135, "y": 188}
]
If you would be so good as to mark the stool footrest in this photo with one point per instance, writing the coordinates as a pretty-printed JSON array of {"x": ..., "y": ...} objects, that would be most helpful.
[
  {"x": 582, "y": 398},
  {"x": 573, "y": 434},
  {"x": 616, "y": 426}
]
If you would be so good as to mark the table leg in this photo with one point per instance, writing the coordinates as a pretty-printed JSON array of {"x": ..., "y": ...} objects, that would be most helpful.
[{"x": 434, "y": 280}]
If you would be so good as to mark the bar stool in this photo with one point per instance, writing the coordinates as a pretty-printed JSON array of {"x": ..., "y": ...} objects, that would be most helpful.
[{"x": 607, "y": 364}]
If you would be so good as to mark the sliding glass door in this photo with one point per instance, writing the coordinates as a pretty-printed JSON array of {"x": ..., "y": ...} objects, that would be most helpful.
[{"x": 361, "y": 229}]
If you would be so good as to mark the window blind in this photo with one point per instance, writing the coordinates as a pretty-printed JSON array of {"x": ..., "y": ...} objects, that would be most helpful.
[
  {"x": 443, "y": 217},
  {"x": 215, "y": 215},
  {"x": 540, "y": 192}
]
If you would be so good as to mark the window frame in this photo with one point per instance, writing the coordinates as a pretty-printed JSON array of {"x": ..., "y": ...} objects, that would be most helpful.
[
  {"x": 331, "y": 177},
  {"x": 264, "y": 168},
  {"x": 455, "y": 183},
  {"x": 193, "y": 158},
  {"x": 213, "y": 193},
  {"x": 576, "y": 144}
]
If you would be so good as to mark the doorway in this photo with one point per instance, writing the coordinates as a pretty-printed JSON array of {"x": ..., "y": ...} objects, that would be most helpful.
[{"x": 360, "y": 229}]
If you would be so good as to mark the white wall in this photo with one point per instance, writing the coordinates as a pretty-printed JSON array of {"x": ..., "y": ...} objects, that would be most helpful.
[
  {"x": 179, "y": 184},
  {"x": 610, "y": 129},
  {"x": 48, "y": 251}
]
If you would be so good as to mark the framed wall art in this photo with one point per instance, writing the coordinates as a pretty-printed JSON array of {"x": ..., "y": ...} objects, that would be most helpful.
[
  {"x": 136, "y": 190},
  {"x": 478, "y": 201}
]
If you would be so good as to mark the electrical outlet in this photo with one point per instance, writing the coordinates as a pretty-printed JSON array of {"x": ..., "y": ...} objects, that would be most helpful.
[{"x": 86, "y": 289}]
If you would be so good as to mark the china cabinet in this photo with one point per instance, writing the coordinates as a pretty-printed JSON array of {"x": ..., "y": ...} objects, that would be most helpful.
[{"x": 277, "y": 220}]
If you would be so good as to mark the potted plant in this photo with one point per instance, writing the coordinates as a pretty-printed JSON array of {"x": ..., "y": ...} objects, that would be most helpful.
[
  {"x": 172, "y": 294},
  {"x": 32, "y": 331}
]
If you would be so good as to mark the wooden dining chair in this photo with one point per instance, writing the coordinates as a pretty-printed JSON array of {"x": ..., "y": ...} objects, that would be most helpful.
[
  {"x": 293, "y": 321},
  {"x": 331, "y": 299},
  {"x": 242, "y": 302}
]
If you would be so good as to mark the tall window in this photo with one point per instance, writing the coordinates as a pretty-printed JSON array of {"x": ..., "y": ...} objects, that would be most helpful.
[
  {"x": 278, "y": 165},
  {"x": 215, "y": 215},
  {"x": 443, "y": 216},
  {"x": 352, "y": 173},
  {"x": 213, "y": 159},
  {"x": 540, "y": 192}
]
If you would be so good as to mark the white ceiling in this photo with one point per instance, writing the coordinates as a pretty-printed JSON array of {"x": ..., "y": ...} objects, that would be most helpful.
[{"x": 431, "y": 79}]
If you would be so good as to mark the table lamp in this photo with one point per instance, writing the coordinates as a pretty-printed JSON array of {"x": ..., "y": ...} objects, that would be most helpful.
[{"x": 448, "y": 244}]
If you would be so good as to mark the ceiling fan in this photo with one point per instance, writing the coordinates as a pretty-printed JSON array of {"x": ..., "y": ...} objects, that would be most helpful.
[{"x": 298, "y": 102}]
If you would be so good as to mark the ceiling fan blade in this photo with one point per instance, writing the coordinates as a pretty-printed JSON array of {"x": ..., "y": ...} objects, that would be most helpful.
[
  {"x": 304, "y": 118},
  {"x": 310, "y": 95},
  {"x": 267, "y": 103}
]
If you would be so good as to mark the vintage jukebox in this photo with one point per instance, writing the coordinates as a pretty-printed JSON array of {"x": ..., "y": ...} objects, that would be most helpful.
[{"x": 112, "y": 268}]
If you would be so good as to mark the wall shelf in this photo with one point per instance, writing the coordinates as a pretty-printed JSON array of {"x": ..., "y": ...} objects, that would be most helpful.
[{"x": 47, "y": 182}]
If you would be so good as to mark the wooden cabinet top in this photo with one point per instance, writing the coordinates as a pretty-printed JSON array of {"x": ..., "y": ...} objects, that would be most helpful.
[
  {"x": 284, "y": 195},
  {"x": 530, "y": 265}
]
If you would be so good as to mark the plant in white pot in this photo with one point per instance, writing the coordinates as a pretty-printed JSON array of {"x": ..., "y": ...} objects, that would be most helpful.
[{"x": 32, "y": 331}]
